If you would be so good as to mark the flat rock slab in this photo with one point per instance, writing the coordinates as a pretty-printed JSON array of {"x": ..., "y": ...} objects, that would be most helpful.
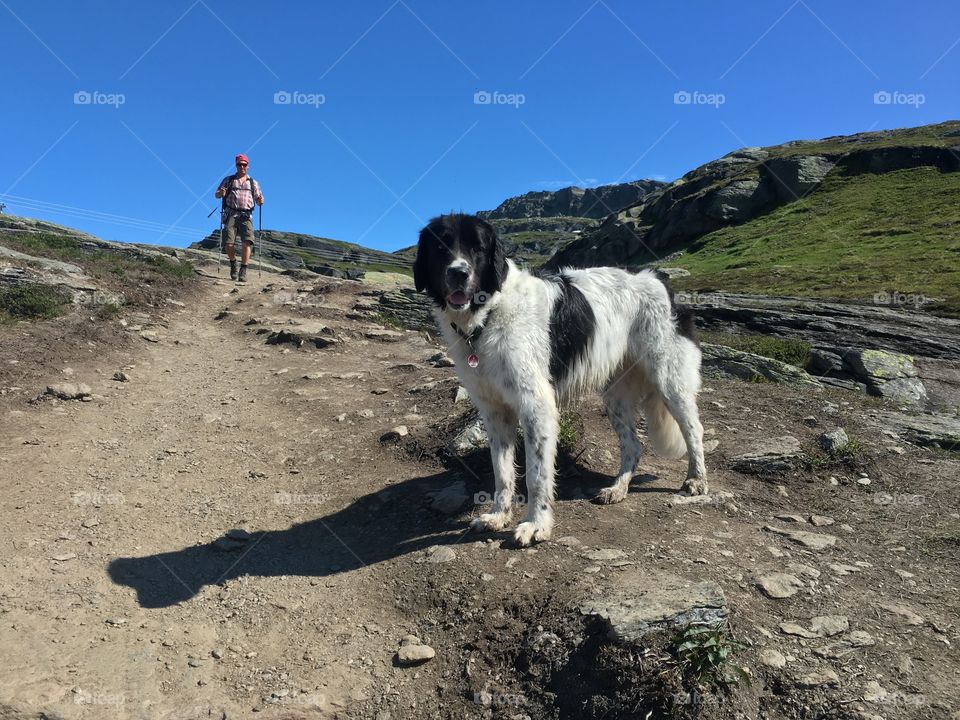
[
  {"x": 722, "y": 361},
  {"x": 448, "y": 500},
  {"x": 933, "y": 429},
  {"x": 643, "y": 602},
  {"x": 778, "y": 586},
  {"x": 814, "y": 541},
  {"x": 769, "y": 456}
]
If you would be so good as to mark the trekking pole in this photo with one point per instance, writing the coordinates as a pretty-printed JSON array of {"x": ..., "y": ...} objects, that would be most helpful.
[
  {"x": 219, "y": 242},
  {"x": 260, "y": 246}
]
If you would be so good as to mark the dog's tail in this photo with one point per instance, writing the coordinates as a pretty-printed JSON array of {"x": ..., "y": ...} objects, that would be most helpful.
[{"x": 662, "y": 429}]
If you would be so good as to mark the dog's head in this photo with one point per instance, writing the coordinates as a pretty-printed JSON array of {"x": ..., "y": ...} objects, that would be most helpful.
[{"x": 460, "y": 262}]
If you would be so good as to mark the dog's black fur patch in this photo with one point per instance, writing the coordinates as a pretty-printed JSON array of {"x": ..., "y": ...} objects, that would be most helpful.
[
  {"x": 572, "y": 325},
  {"x": 468, "y": 236},
  {"x": 686, "y": 321}
]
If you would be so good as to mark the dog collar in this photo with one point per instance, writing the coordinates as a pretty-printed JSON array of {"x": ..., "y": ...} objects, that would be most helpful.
[{"x": 472, "y": 360}]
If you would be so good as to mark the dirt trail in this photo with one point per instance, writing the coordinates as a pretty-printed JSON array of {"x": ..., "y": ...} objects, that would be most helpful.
[
  {"x": 226, "y": 534},
  {"x": 207, "y": 436}
]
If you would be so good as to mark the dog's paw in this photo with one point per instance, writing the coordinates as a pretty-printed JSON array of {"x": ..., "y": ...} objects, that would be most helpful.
[
  {"x": 611, "y": 495},
  {"x": 528, "y": 533},
  {"x": 490, "y": 522},
  {"x": 694, "y": 486}
]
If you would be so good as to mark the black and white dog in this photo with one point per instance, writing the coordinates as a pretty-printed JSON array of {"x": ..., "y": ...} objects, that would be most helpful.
[{"x": 523, "y": 344}]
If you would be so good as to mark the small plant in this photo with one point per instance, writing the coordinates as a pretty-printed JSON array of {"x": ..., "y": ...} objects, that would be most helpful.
[
  {"x": 569, "y": 430},
  {"x": 702, "y": 654},
  {"x": 388, "y": 320},
  {"x": 108, "y": 310}
]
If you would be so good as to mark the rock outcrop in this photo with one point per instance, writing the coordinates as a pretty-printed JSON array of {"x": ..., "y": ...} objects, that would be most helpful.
[
  {"x": 574, "y": 201},
  {"x": 742, "y": 185}
]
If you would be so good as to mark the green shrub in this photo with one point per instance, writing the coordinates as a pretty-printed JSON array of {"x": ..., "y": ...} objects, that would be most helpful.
[{"x": 34, "y": 302}]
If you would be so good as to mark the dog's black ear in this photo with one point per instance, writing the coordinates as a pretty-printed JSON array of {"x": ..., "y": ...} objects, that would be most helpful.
[
  {"x": 495, "y": 272},
  {"x": 420, "y": 263}
]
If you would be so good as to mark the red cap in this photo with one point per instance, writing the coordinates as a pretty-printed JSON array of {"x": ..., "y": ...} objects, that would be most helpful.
[{"x": 241, "y": 158}]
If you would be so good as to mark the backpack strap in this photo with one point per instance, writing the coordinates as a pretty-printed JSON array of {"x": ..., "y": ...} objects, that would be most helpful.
[{"x": 223, "y": 200}]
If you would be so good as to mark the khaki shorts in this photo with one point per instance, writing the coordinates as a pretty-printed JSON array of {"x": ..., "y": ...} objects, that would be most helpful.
[{"x": 230, "y": 227}]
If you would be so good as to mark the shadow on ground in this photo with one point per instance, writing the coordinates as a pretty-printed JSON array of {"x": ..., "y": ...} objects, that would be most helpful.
[{"x": 382, "y": 525}]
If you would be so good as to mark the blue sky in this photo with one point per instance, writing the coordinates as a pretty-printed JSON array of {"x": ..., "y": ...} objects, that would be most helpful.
[{"x": 120, "y": 118}]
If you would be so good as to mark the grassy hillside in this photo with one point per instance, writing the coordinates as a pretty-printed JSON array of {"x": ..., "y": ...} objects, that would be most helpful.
[{"x": 853, "y": 237}]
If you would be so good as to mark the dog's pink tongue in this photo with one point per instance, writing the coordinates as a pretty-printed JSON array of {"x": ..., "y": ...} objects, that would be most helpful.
[{"x": 458, "y": 298}]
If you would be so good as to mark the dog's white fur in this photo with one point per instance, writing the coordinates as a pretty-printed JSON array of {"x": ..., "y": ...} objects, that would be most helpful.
[{"x": 636, "y": 358}]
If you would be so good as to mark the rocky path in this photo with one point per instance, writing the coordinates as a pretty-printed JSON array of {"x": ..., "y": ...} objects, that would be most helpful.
[{"x": 235, "y": 532}]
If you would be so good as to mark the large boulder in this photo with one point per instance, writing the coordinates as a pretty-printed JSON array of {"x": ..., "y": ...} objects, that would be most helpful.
[{"x": 888, "y": 374}]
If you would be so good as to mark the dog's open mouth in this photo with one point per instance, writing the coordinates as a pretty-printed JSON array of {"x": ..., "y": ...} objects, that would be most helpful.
[{"x": 458, "y": 299}]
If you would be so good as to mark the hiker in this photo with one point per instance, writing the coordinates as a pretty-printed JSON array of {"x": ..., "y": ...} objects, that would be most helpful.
[{"x": 239, "y": 193}]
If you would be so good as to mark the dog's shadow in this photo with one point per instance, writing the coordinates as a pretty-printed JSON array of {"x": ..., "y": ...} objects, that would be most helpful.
[{"x": 388, "y": 523}]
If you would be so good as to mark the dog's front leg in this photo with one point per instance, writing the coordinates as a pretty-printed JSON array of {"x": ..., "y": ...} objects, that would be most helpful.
[
  {"x": 501, "y": 425},
  {"x": 540, "y": 421}
]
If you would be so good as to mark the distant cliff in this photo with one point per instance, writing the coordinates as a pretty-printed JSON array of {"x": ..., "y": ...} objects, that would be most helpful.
[{"x": 595, "y": 203}]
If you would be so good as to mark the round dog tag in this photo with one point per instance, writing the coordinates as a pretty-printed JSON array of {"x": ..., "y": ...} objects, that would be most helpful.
[{"x": 473, "y": 361}]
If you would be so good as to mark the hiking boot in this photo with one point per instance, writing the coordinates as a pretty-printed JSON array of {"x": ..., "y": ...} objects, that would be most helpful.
[
  {"x": 243, "y": 273},
  {"x": 233, "y": 269}
]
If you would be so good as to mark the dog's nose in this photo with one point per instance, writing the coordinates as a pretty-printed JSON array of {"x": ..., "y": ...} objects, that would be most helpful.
[{"x": 457, "y": 274}]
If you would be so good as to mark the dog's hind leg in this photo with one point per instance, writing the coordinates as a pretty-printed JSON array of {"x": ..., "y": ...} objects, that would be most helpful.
[
  {"x": 621, "y": 404},
  {"x": 501, "y": 425},
  {"x": 679, "y": 395},
  {"x": 540, "y": 420}
]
